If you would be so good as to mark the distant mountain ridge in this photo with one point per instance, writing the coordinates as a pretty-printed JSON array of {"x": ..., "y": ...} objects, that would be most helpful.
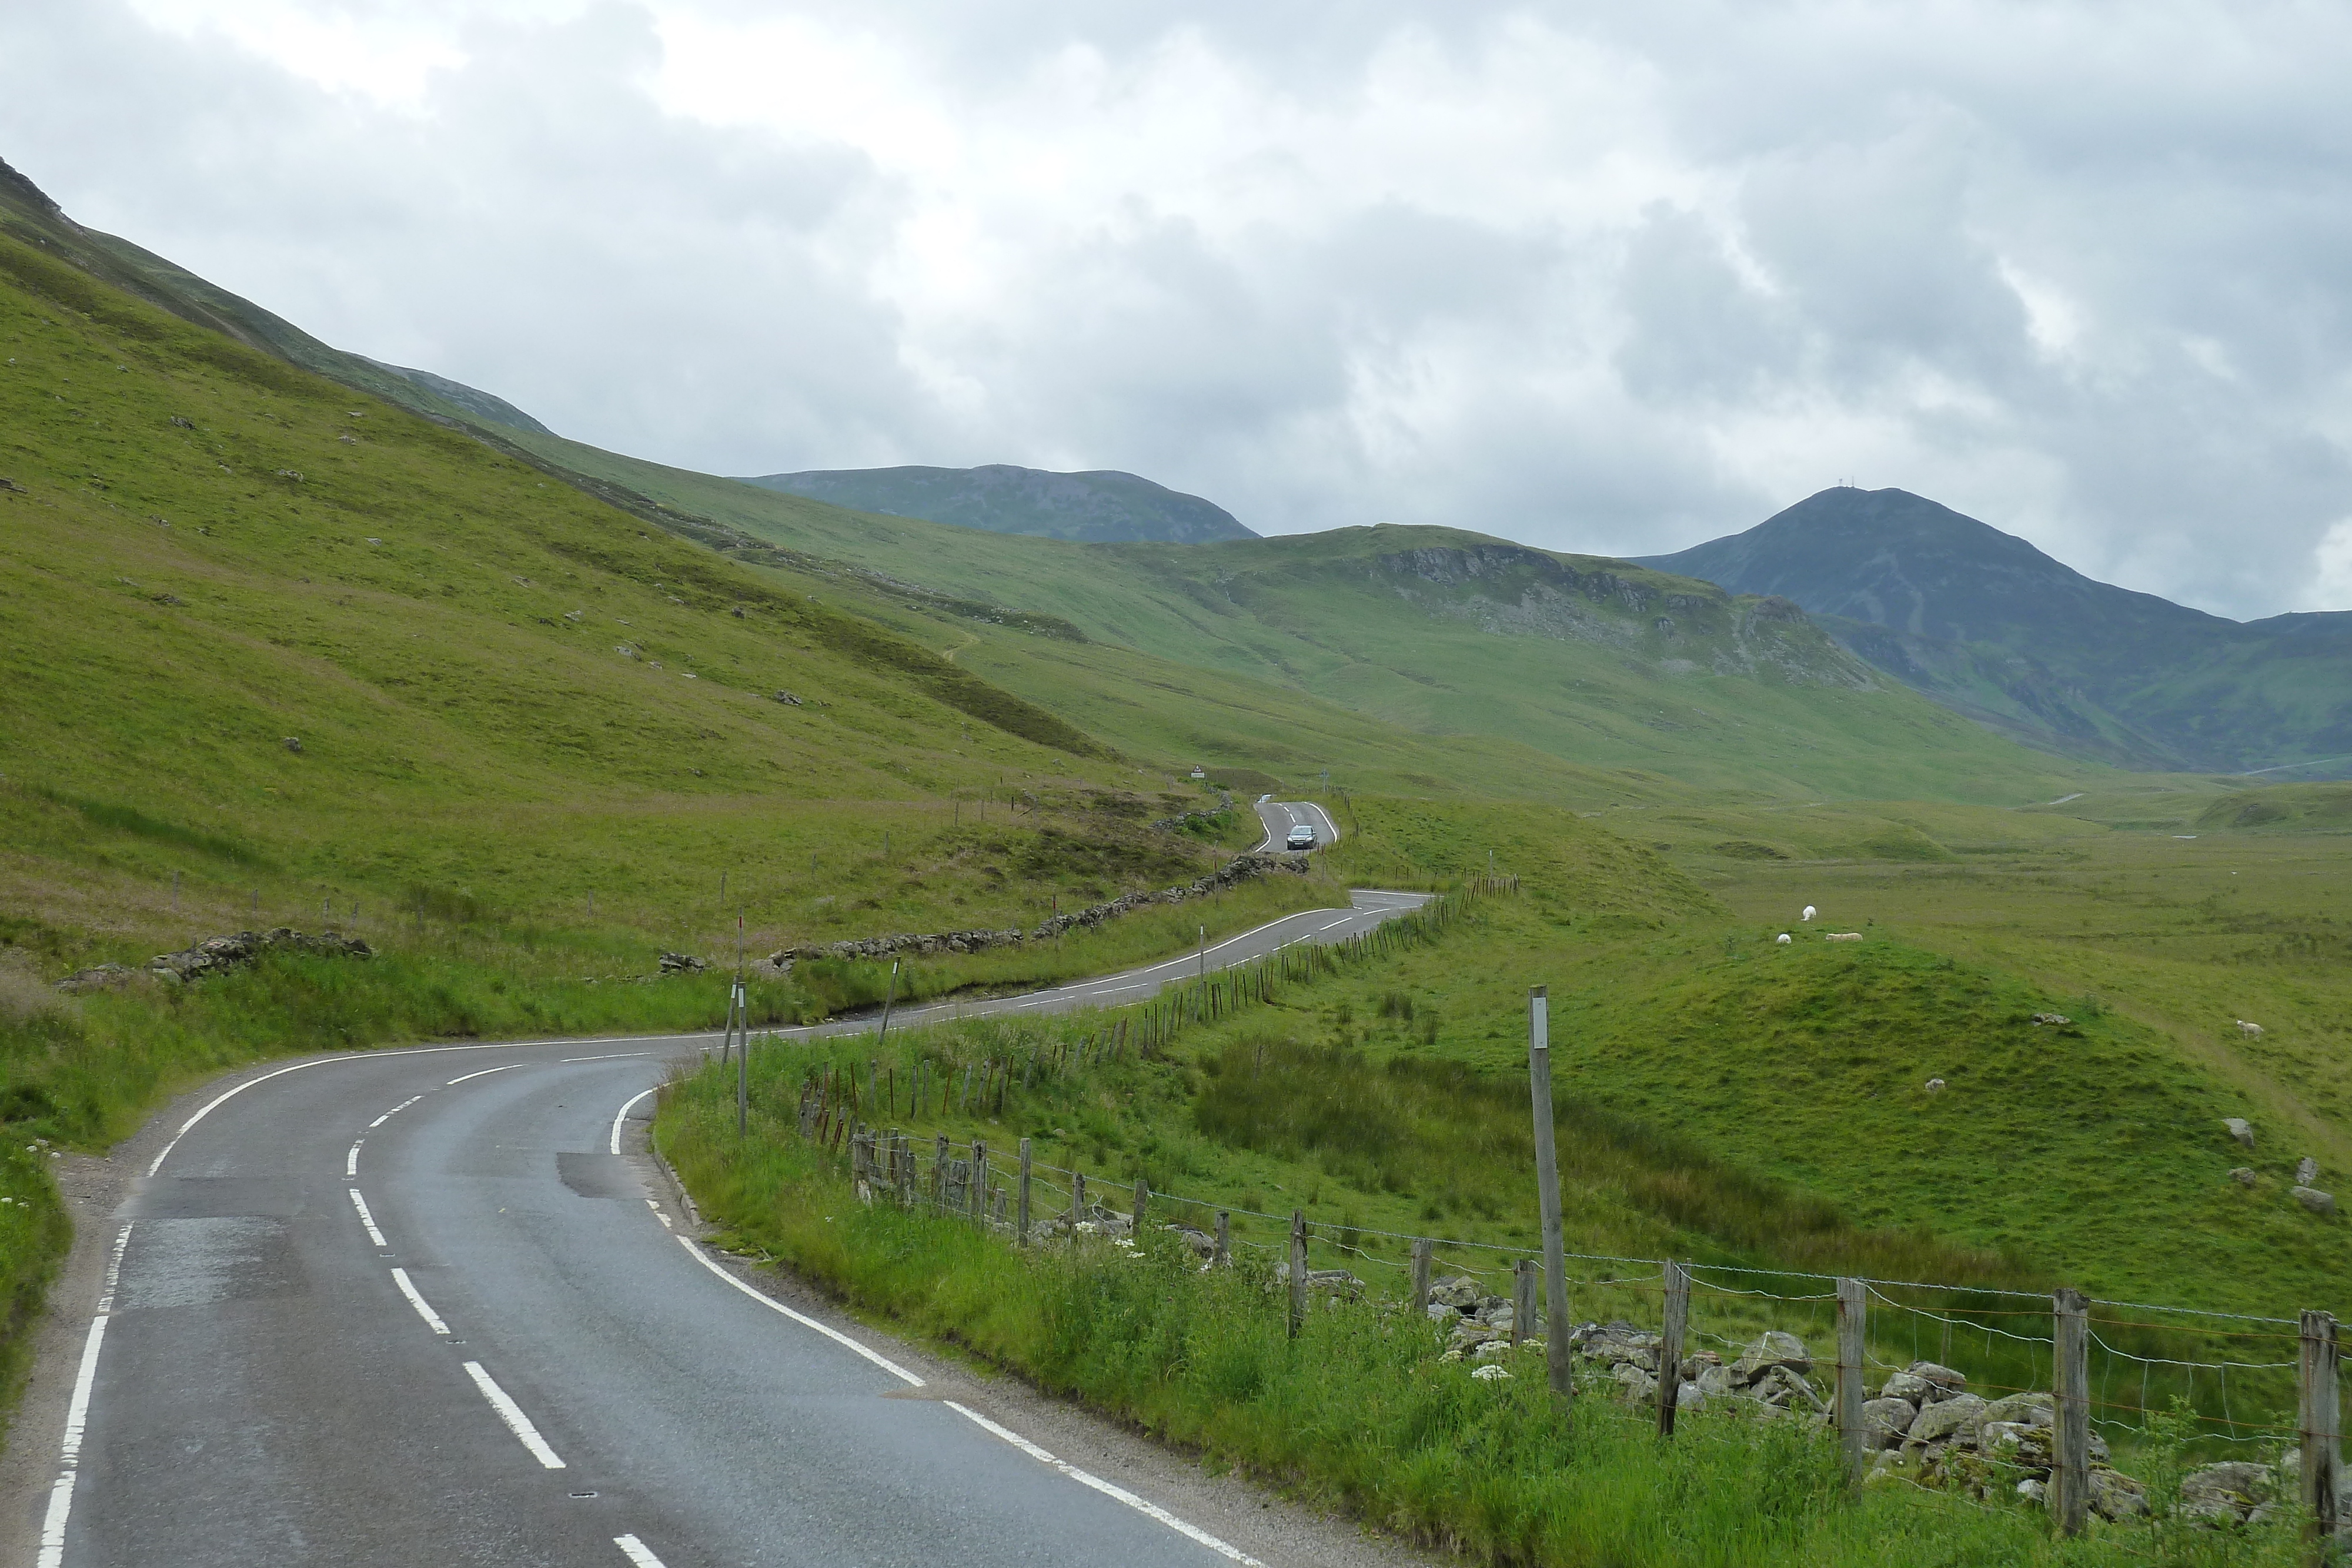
[
  {"x": 1099, "y": 505},
  {"x": 1992, "y": 627}
]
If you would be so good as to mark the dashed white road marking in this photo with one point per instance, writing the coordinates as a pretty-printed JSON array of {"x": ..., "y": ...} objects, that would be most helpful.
[
  {"x": 351, "y": 1160},
  {"x": 432, "y": 1319},
  {"x": 395, "y": 1111},
  {"x": 511, "y": 1414},
  {"x": 659, "y": 1214},
  {"x": 615, "y": 1056},
  {"x": 622, "y": 1117},
  {"x": 367, "y": 1219},
  {"x": 634, "y": 1550},
  {"x": 1149, "y": 1509},
  {"x": 485, "y": 1072}
]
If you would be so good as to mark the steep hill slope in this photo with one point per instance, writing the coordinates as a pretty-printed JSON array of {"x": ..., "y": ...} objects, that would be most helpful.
[
  {"x": 1098, "y": 507},
  {"x": 1988, "y": 624},
  {"x": 1440, "y": 632},
  {"x": 275, "y": 638}
]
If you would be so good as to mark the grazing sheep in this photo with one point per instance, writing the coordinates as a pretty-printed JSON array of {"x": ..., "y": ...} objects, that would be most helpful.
[
  {"x": 1935, "y": 1086},
  {"x": 1809, "y": 913},
  {"x": 1843, "y": 936},
  {"x": 1782, "y": 939},
  {"x": 2249, "y": 1030}
]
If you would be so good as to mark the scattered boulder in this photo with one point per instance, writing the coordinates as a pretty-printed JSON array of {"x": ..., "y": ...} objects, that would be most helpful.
[
  {"x": 1886, "y": 1422},
  {"x": 1924, "y": 1383},
  {"x": 2240, "y": 1129},
  {"x": 1769, "y": 1349},
  {"x": 2306, "y": 1171},
  {"x": 2316, "y": 1201},
  {"x": 2243, "y": 1175},
  {"x": 2052, "y": 1018},
  {"x": 2226, "y": 1493},
  {"x": 292, "y": 743},
  {"x": 1842, "y": 937},
  {"x": 682, "y": 963}
]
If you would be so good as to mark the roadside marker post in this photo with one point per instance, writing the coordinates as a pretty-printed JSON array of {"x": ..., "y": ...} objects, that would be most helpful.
[{"x": 1548, "y": 1193}]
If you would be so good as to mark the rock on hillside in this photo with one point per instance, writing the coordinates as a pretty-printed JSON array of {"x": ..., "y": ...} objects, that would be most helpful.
[{"x": 1100, "y": 507}]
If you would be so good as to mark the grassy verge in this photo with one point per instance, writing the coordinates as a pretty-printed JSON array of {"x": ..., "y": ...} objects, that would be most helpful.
[{"x": 1357, "y": 1412}]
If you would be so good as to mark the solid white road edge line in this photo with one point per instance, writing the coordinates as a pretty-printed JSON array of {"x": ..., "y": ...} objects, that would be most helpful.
[
  {"x": 622, "y": 1117},
  {"x": 60, "y": 1510},
  {"x": 615, "y": 1056},
  {"x": 511, "y": 1414},
  {"x": 1018, "y": 1441},
  {"x": 400, "y": 1278},
  {"x": 1149, "y": 1509},
  {"x": 635, "y": 1550},
  {"x": 884, "y": 1362},
  {"x": 367, "y": 1219}
]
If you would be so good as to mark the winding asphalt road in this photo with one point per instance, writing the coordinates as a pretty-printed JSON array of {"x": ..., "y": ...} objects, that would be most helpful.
[
  {"x": 435, "y": 1306},
  {"x": 1280, "y": 816}
]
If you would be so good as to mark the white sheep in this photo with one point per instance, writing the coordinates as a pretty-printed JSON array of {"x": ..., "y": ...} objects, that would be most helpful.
[
  {"x": 1935, "y": 1086},
  {"x": 2249, "y": 1030},
  {"x": 1843, "y": 936},
  {"x": 1808, "y": 914},
  {"x": 1782, "y": 939}
]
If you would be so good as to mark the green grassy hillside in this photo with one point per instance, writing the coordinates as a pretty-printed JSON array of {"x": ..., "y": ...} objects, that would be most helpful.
[{"x": 1438, "y": 631}]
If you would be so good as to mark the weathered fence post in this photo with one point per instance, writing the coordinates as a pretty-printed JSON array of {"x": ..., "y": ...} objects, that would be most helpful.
[
  {"x": 2319, "y": 1419},
  {"x": 2069, "y": 1492},
  {"x": 1547, "y": 1192},
  {"x": 939, "y": 1174},
  {"x": 1670, "y": 1346},
  {"x": 1022, "y": 1229},
  {"x": 1523, "y": 1299},
  {"x": 1142, "y": 1196},
  {"x": 1852, "y": 1309},
  {"x": 1078, "y": 1195},
  {"x": 978, "y": 1194},
  {"x": 1298, "y": 1269},
  {"x": 1224, "y": 1252},
  {"x": 1421, "y": 1249}
]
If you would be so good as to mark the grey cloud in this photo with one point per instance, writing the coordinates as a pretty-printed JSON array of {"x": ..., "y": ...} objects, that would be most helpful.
[{"x": 1825, "y": 281}]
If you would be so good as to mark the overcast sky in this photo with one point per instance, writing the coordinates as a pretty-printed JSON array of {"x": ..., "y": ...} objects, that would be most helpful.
[{"x": 1614, "y": 279}]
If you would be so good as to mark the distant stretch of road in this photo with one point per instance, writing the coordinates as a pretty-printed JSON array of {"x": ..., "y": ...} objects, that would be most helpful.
[
  {"x": 1281, "y": 816},
  {"x": 433, "y": 1306}
]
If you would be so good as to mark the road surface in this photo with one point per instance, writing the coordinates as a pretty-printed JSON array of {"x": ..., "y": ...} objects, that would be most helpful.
[
  {"x": 1281, "y": 816},
  {"x": 437, "y": 1306}
]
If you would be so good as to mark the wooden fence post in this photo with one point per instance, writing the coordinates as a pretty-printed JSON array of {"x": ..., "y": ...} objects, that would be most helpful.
[
  {"x": 1298, "y": 1269},
  {"x": 1224, "y": 1252},
  {"x": 1852, "y": 1309},
  {"x": 1670, "y": 1346},
  {"x": 939, "y": 1174},
  {"x": 1523, "y": 1300},
  {"x": 1547, "y": 1192},
  {"x": 1142, "y": 1196},
  {"x": 2070, "y": 1490},
  {"x": 2320, "y": 1420},
  {"x": 1022, "y": 1229},
  {"x": 1078, "y": 1195},
  {"x": 1422, "y": 1249},
  {"x": 978, "y": 1194}
]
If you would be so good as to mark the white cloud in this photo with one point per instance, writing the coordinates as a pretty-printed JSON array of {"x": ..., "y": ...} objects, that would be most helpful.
[{"x": 1606, "y": 278}]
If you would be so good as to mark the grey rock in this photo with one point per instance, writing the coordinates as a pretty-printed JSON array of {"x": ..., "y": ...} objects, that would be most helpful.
[
  {"x": 218, "y": 954},
  {"x": 1942, "y": 1381},
  {"x": 2306, "y": 1171},
  {"x": 292, "y": 743},
  {"x": 2226, "y": 1491},
  {"x": 1886, "y": 1422},
  {"x": 100, "y": 977},
  {"x": 1460, "y": 1293},
  {"x": 2116, "y": 1496},
  {"x": 2033, "y": 1491},
  {"x": 2312, "y": 1198},
  {"x": 2243, "y": 1175},
  {"x": 1780, "y": 1386},
  {"x": 1944, "y": 1418},
  {"x": 682, "y": 963},
  {"x": 2239, "y": 1129},
  {"x": 1771, "y": 1348},
  {"x": 1714, "y": 1383}
]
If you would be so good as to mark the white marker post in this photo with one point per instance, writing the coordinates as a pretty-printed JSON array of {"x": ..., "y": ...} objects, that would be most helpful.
[{"x": 1547, "y": 1192}]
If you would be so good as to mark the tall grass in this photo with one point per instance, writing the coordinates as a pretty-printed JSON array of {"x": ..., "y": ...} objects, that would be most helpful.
[{"x": 1356, "y": 1411}]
